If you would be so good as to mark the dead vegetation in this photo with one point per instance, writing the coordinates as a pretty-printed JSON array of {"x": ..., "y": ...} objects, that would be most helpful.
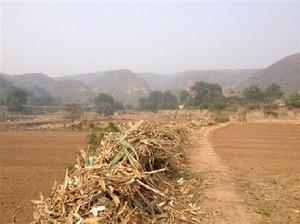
[{"x": 135, "y": 175}]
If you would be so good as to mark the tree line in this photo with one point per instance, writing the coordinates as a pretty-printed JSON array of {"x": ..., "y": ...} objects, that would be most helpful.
[{"x": 201, "y": 95}]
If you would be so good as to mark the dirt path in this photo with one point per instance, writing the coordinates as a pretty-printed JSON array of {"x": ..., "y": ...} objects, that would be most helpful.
[{"x": 221, "y": 201}]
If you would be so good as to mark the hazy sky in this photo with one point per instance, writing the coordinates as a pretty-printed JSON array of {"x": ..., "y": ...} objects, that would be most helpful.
[{"x": 60, "y": 38}]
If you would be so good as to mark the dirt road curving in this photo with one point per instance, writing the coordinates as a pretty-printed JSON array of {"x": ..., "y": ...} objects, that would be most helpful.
[
  {"x": 221, "y": 201},
  {"x": 252, "y": 172}
]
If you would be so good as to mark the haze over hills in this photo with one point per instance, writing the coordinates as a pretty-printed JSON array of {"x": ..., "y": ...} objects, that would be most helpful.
[
  {"x": 127, "y": 86},
  {"x": 183, "y": 80},
  {"x": 285, "y": 73},
  {"x": 43, "y": 85},
  {"x": 124, "y": 85}
]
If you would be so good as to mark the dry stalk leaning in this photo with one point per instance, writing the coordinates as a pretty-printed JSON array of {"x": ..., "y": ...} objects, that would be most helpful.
[{"x": 133, "y": 177}]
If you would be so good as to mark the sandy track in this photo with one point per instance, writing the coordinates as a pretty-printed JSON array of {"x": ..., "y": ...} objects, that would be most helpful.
[
  {"x": 30, "y": 162},
  {"x": 221, "y": 202}
]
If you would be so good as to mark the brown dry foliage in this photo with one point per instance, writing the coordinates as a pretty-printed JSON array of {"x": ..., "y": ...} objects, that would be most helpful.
[{"x": 135, "y": 176}]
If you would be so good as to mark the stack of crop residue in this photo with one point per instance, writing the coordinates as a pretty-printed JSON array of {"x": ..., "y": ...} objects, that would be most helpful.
[{"x": 133, "y": 177}]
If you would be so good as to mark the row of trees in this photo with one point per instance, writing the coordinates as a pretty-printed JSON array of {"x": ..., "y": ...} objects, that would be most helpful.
[
  {"x": 202, "y": 95},
  {"x": 255, "y": 94},
  {"x": 158, "y": 101},
  {"x": 15, "y": 98},
  {"x": 104, "y": 105}
]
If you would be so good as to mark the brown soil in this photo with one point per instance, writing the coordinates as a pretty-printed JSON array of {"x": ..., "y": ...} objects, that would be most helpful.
[
  {"x": 30, "y": 162},
  {"x": 220, "y": 202},
  {"x": 265, "y": 164}
]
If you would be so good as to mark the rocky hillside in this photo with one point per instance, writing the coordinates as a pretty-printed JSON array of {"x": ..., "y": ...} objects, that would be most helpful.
[
  {"x": 67, "y": 90},
  {"x": 123, "y": 85},
  {"x": 185, "y": 79},
  {"x": 127, "y": 86},
  {"x": 285, "y": 73}
]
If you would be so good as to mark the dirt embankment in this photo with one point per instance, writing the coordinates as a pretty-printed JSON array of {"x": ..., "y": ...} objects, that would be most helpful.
[{"x": 30, "y": 162}]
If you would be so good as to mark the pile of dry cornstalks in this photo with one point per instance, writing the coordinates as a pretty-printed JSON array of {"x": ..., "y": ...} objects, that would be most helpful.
[{"x": 135, "y": 176}]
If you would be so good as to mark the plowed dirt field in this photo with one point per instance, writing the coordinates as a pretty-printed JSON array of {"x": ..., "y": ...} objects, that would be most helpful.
[
  {"x": 30, "y": 162},
  {"x": 265, "y": 159}
]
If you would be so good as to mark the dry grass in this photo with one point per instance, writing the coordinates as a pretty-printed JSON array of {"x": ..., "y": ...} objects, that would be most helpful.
[{"x": 134, "y": 176}]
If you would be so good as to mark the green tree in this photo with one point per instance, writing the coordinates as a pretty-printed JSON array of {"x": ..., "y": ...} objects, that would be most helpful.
[
  {"x": 75, "y": 111},
  {"x": 169, "y": 101},
  {"x": 152, "y": 102},
  {"x": 217, "y": 104},
  {"x": 104, "y": 98},
  {"x": 204, "y": 94},
  {"x": 184, "y": 95},
  {"x": 293, "y": 100},
  {"x": 274, "y": 92},
  {"x": 253, "y": 94},
  {"x": 158, "y": 101},
  {"x": 15, "y": 99},
  {"x": 104, "y": 104}
]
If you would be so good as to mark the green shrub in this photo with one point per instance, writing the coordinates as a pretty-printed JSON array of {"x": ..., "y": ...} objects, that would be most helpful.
[
  {"x": 217, "y": 104},
  {"x": 253, "y": 94},
  {"x": 293, "y": 100}
]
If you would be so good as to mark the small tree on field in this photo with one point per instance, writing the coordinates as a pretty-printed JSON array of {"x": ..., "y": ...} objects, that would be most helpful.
[
  {"x": 15, "y": 99},
  {"x": 75, "y": 111}
]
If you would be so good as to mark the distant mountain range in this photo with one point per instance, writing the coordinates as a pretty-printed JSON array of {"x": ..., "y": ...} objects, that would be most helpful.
[{"x": 128, "y": 87}]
